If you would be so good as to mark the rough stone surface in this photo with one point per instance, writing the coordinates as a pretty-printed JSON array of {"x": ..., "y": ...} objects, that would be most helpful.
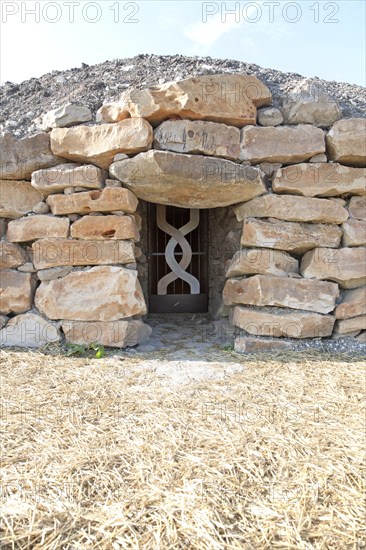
[
  {"x": 99, "y": 144},
  {"x": 29, "y": 331},
  {"x": 116, "y": 334},
  {"x": 53, "y": 273},
  {"x": 205, "y": 138},
  {"x": 270, "y": 116},
  {"x": 3, "y": 320},
  {"x": 228, "y": 98},
  {"x": 320, "y": 180},
  {"x": 250, "y": 344},
  {"x": 41, "y": 208},
  {"x": 17, "y": 198},
  {"x": 59, "y": 252},
  {"x": 113, "y": 183},
  {"x": 3, "y": 227},
  {"x": 349, "y": 326},
  {"x": 104, "y": 200},
  {"x": 11, "y": 255},
  {"x": 19, "y": 158},
  {"x": 283, "y": 144},
  {"x": 262, "y": 290},
  {"x": 262, "y": 261},
  {"x": 16, "y": 291},
  {"x": 65, "y": 176},
  {"x": 64, "y": 116},
  {"x": 269, "y": 168},
  {"x": 37, "y": 227},
  {"x": 321, "y": 157},
  {"x": 190, "y": 181},
  {"x": 290, "y": 325},
  {"x": 309, "y": 103},
  {"x": 28, "y": 267},
  {"x": 105, "y": 228},
  {"x": 353, "y": 304},
  {"x": 357, "y": 208},
  {"x": 346, "y": 142},
  {"x": 105, "y": 293},
  {"x": 23, "y": 102},
  {"x": 289, "y": 236},
  {"x": 291, "y": 208},
  {"x": 345, "y": 266},
  {"x": 354, "y": 233}
]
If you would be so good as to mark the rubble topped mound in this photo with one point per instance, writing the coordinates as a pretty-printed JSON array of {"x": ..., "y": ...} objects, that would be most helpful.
[{"x": 93, "y": 86}]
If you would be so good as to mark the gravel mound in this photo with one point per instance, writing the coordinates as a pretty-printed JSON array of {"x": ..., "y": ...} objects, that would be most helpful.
[{"x": 94, "y": 85}]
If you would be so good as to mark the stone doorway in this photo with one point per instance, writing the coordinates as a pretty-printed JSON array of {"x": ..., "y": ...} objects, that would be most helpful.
[{"x": 177, "y": 252}]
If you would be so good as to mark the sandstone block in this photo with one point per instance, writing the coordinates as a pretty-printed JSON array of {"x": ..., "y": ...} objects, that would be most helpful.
[
  {"x": 21, "y": 157},
  {"x": 105, "y": 293},
  {"x": 349, "y": 326},
  {"x": 115, "y": 334},
  {"x": 188, "y": 181},
  {"x": 346, "y": 141},
  {"x": 321, "y": 157},
  {"x": 270, "y": 116},
  {"x": 354, "y": 233},
  {"x": 29, "y": 331},
  {"x": 37, "y": 227},
  {"x": 99, "y": 144},
  {"x": 228, "y": 98},
  {"x": 289, "y": 236},
  {"x": 105, "y": 228},
  {"x": 320, "y": 180},
  {"x": 262, "y": 261},
  {"x": 262, "y": 290},
  {"x": 16, "y": 291},
  {"x": 309, "y": 103},
  {"x": 353, "y": 304},
  {"x": 66, "y": 115},
  {"x": 277, "y": 324},
  {"x": 104, "y": 200},
  {"x": 41, "y": 208},
  {"x": 67, "y": 176},
  {"x": 59, "y": 252},
  {"x": 53, "y": 273},
  {"x": 357, "y": 208},
  {"x": 353, "y": 335},
  {"x": 17, "y": 198},
  {"x": 283, "y": 144},
  {"x": 250, "y": 344},
  {"x": 205, "y": 138},
  {"x": 28, "y": 267},
  {"x": 291, "y": 208},
  {"x": 345, "y": 266},
  {"x": 120, "y": 156},
  {"x": 11, "y": 255},
  {"x": 361, "y": 337}
]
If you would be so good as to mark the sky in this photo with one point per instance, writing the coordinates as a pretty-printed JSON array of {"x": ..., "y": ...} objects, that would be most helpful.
[{"x": 312, "y": 38}]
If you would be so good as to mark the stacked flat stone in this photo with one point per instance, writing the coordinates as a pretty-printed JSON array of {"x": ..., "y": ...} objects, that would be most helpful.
[{"x": 68, "y": 254}]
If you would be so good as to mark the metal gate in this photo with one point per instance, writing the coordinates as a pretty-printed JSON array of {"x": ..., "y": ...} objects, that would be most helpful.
[{"x": 177, "y": 253}]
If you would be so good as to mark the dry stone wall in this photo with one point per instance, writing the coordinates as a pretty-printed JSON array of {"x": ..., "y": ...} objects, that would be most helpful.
[{"x": 287, "y": 193}]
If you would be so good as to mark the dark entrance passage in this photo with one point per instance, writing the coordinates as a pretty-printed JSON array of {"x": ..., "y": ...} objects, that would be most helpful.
[{"x": 177, "y": 255}]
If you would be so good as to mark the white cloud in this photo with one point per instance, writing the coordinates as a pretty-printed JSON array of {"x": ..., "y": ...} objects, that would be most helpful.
[
  {"x": 206, "y": 34},
  {"x": 252, "y": 20}
]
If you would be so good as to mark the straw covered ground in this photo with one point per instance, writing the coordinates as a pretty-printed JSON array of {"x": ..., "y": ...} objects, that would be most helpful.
[{"x": 105, "y": 454}]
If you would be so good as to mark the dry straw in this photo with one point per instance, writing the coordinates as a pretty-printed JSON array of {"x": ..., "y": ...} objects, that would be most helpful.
[{"x": 103, "y": 454}]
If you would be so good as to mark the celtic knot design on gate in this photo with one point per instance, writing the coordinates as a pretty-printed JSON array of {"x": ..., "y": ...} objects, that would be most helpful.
[{"x": 177, "y": 236}]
